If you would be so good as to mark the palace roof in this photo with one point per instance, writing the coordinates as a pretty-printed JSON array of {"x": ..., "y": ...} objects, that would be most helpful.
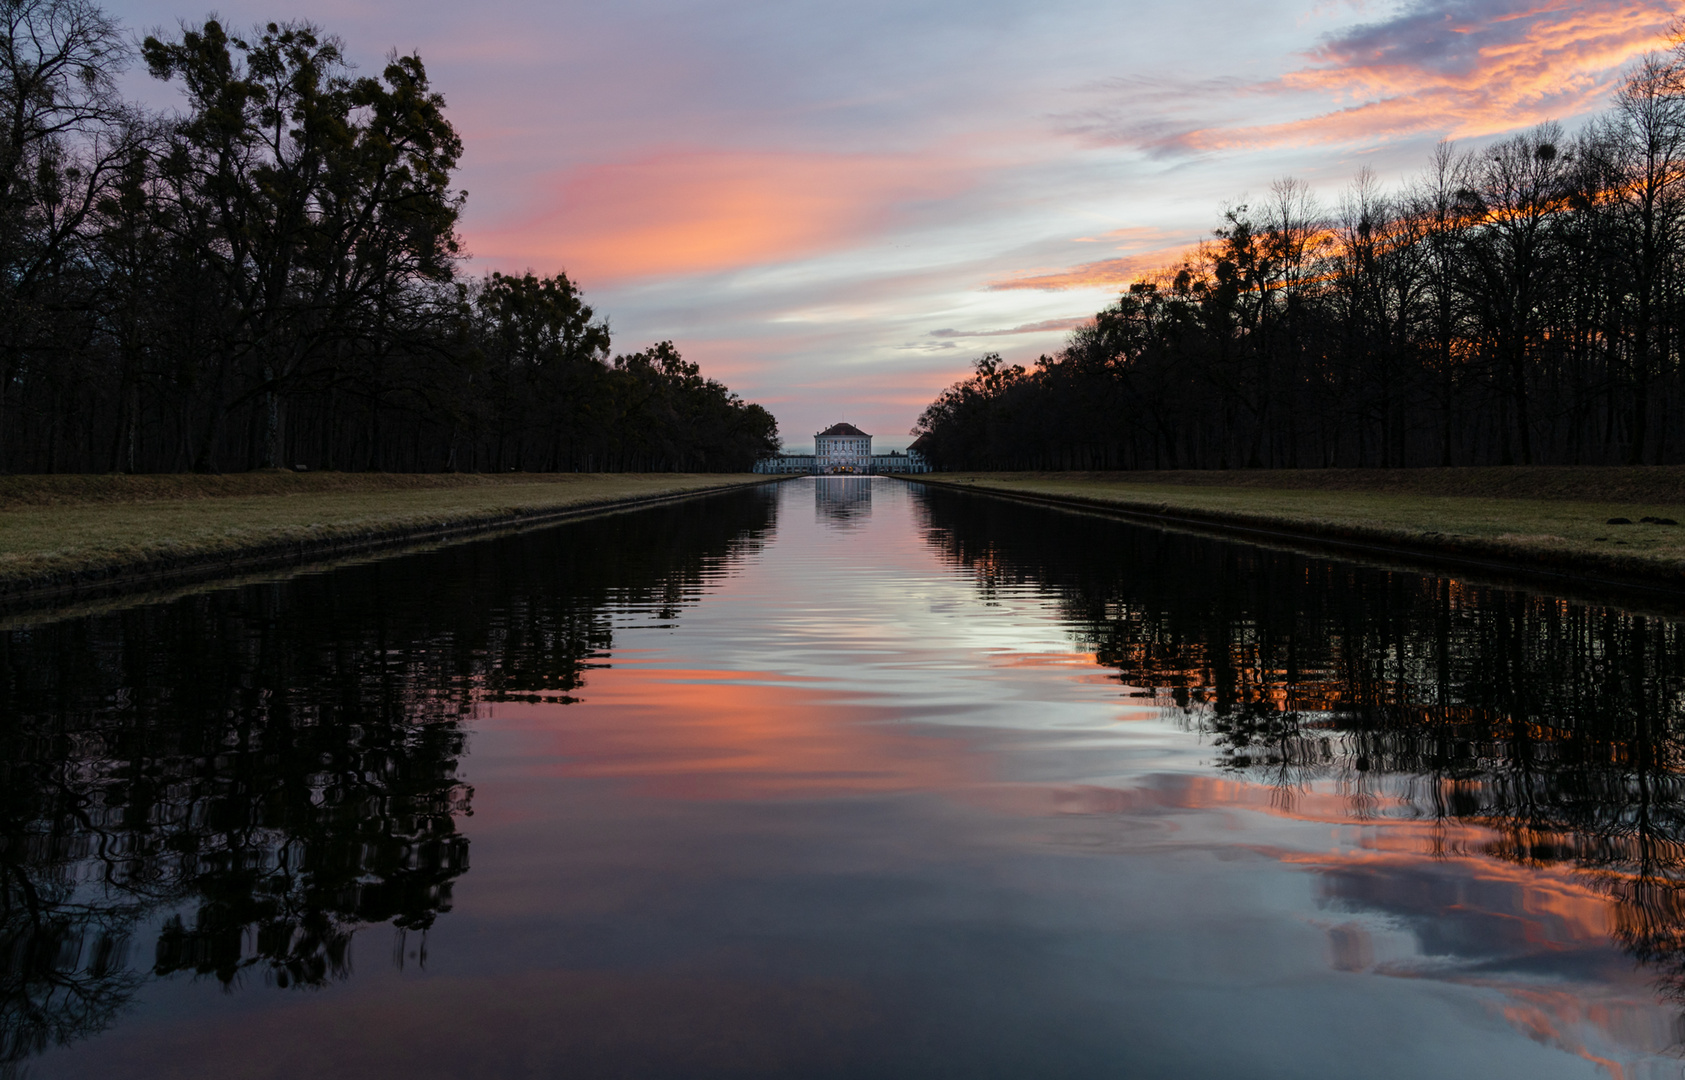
[{"x": 842, "y": 431}]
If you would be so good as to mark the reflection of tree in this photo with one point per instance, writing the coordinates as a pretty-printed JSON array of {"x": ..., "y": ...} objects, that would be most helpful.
[
  {"x": 244, "y": 779},
  {"x": 63, "y": 965},
  {"x": 1560, "y": 726}
]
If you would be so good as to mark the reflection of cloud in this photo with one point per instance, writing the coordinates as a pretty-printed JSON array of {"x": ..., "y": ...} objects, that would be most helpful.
[
  {"x": 1538, "y": 936},
  {"x": 1459, "y": 68},
  {"x": 726, "y": 735},
  {"x": 1561, "y": 1018},
  {"x": 699, "y": 211},
  {"x": 1493, "y": 924},
  {"x": 1411, "y": 868},
  {"x": 1471, "y": 909},
  {"x": 1353, "y": 947}
]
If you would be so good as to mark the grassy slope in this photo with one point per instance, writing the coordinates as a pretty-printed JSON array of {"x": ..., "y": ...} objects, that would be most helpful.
[
  {"x": 56, "y": 531},
  {"x": 1530, "y": 517}
]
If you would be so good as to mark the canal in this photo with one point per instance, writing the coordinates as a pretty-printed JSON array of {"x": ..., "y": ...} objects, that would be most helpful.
[{"x": 845, "y": 777}]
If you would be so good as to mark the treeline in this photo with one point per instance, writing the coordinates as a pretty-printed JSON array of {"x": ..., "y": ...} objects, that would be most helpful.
[
  {"x": 271, "y": 277},
  {"x": 1523, "y": 304}
]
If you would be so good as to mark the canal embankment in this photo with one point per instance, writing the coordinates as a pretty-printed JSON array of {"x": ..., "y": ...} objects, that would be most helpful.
[
  {"x": 66, "y": 537},
  {"x": 1620, "y": 526}
]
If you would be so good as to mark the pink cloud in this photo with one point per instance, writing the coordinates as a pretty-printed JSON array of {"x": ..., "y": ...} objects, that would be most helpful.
[{"x": 698, "y": 211}]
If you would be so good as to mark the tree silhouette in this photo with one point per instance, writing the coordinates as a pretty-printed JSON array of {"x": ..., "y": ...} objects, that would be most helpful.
[
  {"x": 1519, "y": 304},
  {"x": 270, "y": 277}
]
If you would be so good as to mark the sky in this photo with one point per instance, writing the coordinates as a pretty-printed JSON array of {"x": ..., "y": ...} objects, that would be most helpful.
[{"x": 836, "y": 207}]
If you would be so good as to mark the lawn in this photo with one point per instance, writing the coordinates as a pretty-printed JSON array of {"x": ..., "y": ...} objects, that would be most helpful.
[
  {"x": 56, "y": 530},
  {"x": 1532, "y": 518}
]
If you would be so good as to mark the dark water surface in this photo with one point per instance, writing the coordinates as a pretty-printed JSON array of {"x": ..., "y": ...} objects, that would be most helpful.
[{"x": 844, "y": 778}]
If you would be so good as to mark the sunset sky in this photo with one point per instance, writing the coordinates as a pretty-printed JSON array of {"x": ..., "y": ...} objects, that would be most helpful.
[{"x": 835, "y": 207}]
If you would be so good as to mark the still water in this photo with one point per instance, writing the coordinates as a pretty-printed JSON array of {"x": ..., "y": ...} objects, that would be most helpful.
[{"x": 844, "y": 777}]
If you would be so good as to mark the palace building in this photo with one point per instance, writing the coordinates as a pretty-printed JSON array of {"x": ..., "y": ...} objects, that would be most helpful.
[{"x": 843, "y": 449}]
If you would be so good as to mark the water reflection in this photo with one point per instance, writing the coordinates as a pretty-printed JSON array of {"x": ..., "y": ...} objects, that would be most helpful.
[
  {"x": 953, "y": 787},
  {"x": 1484, "y": 728},
  {"x": 234, "y": 784},
  {"x": 843, "y": 501}
]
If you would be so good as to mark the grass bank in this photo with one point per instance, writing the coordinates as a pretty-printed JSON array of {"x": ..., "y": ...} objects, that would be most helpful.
[
  {"x": 65, "y": 536},
  {"x": 1537, "y": 521}
]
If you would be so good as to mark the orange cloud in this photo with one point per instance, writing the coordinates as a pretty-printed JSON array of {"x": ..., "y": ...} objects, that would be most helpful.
[
  {"x": 1525, "y": 66},
  {"x": 1455, "y": 68},
  {"x": 1102, "y": 274},
  {"x": 1130, "y": 236},
  {"x": 683, "y": 212}
]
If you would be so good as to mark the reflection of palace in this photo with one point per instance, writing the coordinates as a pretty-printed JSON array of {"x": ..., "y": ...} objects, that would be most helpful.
[
  {"x": 843, "y": 449},
  {"x": 843, "y": 499}
]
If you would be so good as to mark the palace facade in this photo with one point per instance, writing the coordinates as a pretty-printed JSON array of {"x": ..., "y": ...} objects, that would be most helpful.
[{"x": 843, "y": 449}]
